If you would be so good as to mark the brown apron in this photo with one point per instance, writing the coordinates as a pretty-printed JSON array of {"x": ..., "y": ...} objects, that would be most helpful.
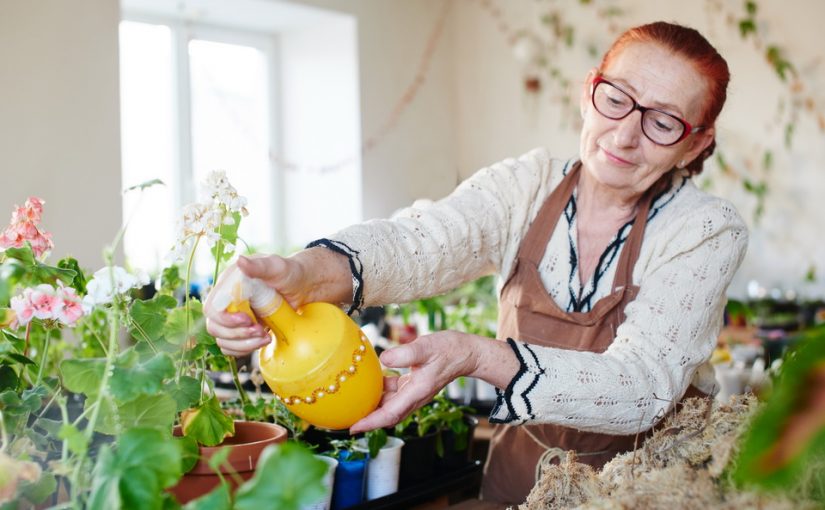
[{"x": 529, "y": 314}]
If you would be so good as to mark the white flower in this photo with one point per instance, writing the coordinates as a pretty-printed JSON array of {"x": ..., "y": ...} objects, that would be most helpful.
[
  {"x": 107, "y": 283},
  {"x": 205, "y": 219},
  {"x": 220, "y": 191},
  {"x": 199, "y": 220}
]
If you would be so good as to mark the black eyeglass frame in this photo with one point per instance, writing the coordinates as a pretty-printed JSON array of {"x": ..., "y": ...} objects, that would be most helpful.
[{"x": 688, "y": 129}]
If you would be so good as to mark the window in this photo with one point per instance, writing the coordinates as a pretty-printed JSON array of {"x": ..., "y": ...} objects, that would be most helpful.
[{"x": 198, "y": 96}]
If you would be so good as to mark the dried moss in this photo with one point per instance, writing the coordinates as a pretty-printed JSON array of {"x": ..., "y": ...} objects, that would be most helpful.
[{"x": 681, "y": 466}]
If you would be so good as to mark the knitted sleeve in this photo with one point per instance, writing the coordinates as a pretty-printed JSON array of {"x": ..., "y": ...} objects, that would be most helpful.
[
  {"x": 670, "y": 331},
  {"x": 433, "y": 247}
]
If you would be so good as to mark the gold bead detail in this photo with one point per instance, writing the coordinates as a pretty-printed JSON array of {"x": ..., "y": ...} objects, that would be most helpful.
[
  {"x": 351, "y": 369},
  {"x": 309, "y": 400},
  {"x": 362, "y": 348},
  {"x": 319, "y": 394},
  {"x": 332, "y": 388}
]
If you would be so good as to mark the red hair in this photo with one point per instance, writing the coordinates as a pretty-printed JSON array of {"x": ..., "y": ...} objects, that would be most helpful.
[{"x": 692, "y": 46}]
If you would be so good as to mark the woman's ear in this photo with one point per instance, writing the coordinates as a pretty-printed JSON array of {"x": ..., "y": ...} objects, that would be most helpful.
[
  {"x": 587, "y": 90},
  {"x": 699, "y": 143}
]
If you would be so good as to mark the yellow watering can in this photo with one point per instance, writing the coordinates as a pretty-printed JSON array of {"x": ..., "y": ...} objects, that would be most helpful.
[{"x": 319, "y": 364}]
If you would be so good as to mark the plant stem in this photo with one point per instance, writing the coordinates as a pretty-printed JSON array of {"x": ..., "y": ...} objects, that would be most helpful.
[
  {"x": 241, "y": 392},
  {"x": 28, "y": 334},
  {"x": 186, "y": 304},
  {"x": 45, "y": 356},
  {"x": 102, "y": 392},
  {"x": 3, "y": 435},
  {"x": 233, "y": 365}
]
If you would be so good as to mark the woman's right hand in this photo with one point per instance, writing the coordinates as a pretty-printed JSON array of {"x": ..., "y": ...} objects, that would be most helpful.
[
  {"x": 236, "y": 333},
  {"x": 312, "y": 275}
]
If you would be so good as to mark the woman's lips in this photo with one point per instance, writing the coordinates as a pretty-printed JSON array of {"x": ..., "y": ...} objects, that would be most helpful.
[{"x": 615, "y": 159}]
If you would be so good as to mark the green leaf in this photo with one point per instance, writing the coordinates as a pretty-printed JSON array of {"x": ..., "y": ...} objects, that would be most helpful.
[
  {"x": 218, "y": 499},
  {"x": 746, "y": 26},
  {"x": 146, "y": 462},
  {"x": 38, "y": 491},
  {"x": 144, "y": 185},
  {"x": 186, "y": 392},
  {"x": 8, "y": 378},
  {"x": 78, "y": 282},
  {"x": 24, "y": 255},
  {"x": 170, "y": 280},
  {"x": 759, "y": 460},
  {"x": 176, "y": 325},
  {"x": 190, "y": 453},
  {"x": 288, "y": 477},
  {"x": 20, "y": 358},
  {"x": 131, "y": 377},
  {"x": 156, "y": 411},
  {"x": 76, "y": 440},
  {"x": 750, "y": 7},
  {"x": 148, "y": 317},
  {"x": 82, "y": 375},
  {"x": 376, "y": 439},
  {"x": 207, "y": 423}
]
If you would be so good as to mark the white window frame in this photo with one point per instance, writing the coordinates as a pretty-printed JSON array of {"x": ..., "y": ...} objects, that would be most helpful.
[{"x": 185, "y": 189}]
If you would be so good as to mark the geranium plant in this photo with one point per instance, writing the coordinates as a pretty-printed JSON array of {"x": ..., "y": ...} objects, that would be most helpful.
[{"x": 139, "y": 366}]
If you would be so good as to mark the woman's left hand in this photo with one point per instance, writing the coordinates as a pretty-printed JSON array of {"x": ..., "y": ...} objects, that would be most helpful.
[{"x": 434, "y": 361}]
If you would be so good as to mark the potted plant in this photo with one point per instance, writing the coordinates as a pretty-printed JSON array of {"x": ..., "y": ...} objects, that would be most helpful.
[
  {"x": 437, "y": 439},
  {"x": 133, "y": 388},
  {"x": 350, "y": 475},
  {"x": 384, "y": 463}
]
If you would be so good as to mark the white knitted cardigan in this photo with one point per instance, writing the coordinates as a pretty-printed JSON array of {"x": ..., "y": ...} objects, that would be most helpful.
[{"x": 692, "y": 246}]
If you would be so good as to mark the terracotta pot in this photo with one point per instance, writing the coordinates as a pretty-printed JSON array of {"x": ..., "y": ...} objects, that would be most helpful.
[{"x": 250, "y": 438}]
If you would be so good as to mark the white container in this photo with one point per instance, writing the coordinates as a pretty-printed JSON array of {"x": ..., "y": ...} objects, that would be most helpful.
[
  {"x": 382, "y": 471},
  {"x": 324, "y": 502}
]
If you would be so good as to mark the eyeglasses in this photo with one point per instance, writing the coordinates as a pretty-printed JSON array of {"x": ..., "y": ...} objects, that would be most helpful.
[{"x": 659, "y": 127}]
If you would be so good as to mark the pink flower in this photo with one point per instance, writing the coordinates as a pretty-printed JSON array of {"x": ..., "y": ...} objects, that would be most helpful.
[
  {"x": 45, "y": 302},
  {"x": 23, "y": 228},
  {"x": 70, "y": 308},
  {"x": 22, "y": 308}
]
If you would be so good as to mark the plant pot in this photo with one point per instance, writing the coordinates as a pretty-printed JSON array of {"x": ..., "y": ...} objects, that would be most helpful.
[
  {"x": 383, "y": 470},
  {"x": 250, "y": 439},
  {"x": 350, "y": 481},
  {"x": 457, "y": 451},
  {"x": 417, "y": 459},
  {"x": 325, "y": 502}
]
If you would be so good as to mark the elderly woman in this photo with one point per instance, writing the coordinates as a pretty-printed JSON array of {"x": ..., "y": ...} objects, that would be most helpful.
[{"x": 613, "y": 269}]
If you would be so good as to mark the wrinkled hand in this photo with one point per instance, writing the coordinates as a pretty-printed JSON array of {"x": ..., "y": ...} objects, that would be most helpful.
[
  {"x": 434, "y": 361},
  {"x": 236, "y": 333}
]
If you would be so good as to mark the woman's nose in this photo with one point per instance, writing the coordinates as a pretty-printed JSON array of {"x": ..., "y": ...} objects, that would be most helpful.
[{"x": 628, "y": 130}]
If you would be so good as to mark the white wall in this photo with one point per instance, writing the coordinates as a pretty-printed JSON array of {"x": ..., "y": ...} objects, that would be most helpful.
[
  {"x": 417, "y": 157},
  {"x": 59, "y": 123},
  {"x": 320, "y": 131}
]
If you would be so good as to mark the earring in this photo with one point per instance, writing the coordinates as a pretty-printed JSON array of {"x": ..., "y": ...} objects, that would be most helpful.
[{"x": 681, "y": 164}]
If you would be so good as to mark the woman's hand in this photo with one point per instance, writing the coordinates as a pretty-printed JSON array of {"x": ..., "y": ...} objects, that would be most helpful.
[
  {"x": 434, "y": 361},
  {"x": 312, "y": 275}
]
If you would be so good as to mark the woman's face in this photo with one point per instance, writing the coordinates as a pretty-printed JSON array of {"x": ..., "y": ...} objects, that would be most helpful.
[{"x": 615, "y": 152}]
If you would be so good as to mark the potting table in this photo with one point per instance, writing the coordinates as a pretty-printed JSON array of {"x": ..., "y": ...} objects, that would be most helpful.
[{"x": 451, "y": 487}]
